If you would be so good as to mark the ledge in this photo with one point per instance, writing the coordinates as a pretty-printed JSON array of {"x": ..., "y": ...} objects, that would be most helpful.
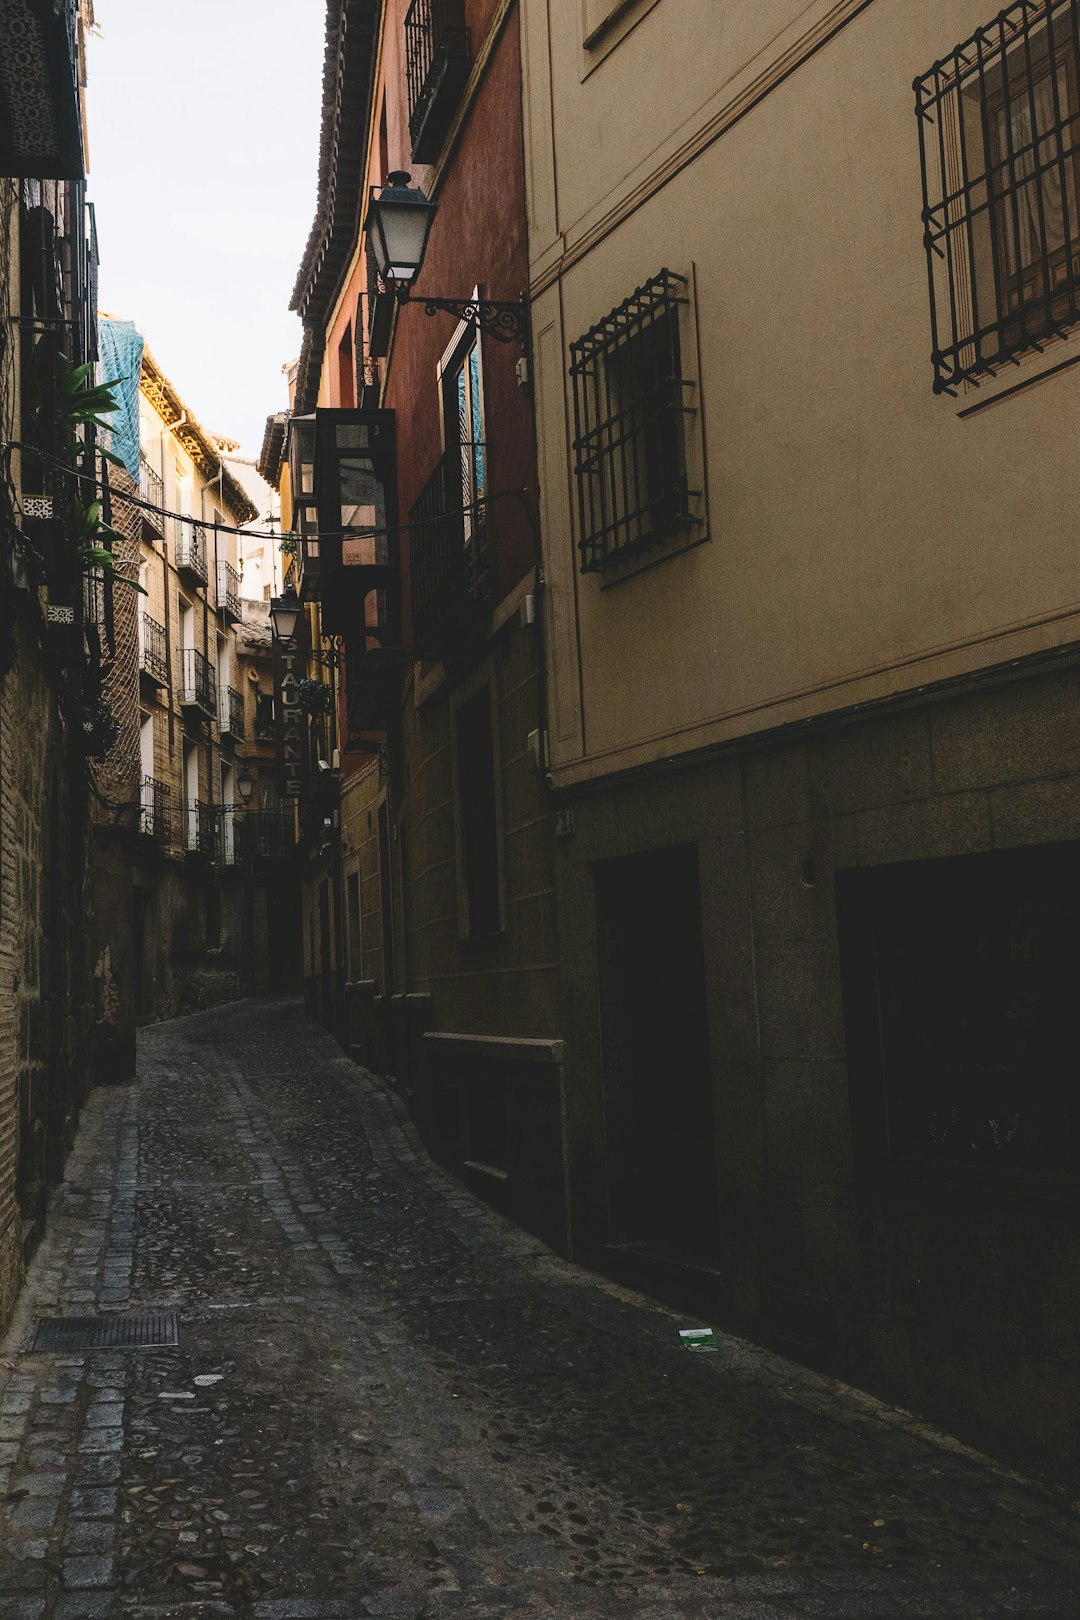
[{"x": 517, "y": 1049}]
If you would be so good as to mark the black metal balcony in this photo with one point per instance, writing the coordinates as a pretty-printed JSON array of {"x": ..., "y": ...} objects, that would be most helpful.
[
  {"x": 204, "y": 829},
  {"x": 198, "y": 683},
  {"x": 231, "y": 715},
  {"x": 153, "y": 658},
  {"x": 190, "y": 541},
  {"x": 452, "y": 575},
  {"x": 264, "y": 835},
  {"x": 155, "y": 814},
  {"x": 228, "y": 592},
  {"x": 436, "y": 68},
  {"x": 152, "y": 490}
]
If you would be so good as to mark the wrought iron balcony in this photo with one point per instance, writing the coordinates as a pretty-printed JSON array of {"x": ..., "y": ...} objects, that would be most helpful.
[
  {"x": 198, "y": 683},
  {"x": 204, "y": 829},
  {"x": 190, "y": 541},
  {"x": 452, "y": 574},
  {"x": 153, "y": 661},
  {"x": 264, "y": 835},
  {"x": 231, "y": 712},
  {"x": 152, "y": 489},
  {"x": 228, "y": 592},
  {"x": 436, "y": 68},
  {"x": 155, "y": 815}
]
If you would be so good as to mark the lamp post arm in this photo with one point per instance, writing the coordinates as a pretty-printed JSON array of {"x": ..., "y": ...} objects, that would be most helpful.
[{"x": 498, "y": 318}]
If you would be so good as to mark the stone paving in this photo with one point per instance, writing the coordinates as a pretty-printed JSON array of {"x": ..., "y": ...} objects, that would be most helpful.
[{"x": 386, "y": 1401}]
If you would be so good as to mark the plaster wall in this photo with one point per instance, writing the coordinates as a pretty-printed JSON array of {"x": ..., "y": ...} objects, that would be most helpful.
[{"x": 861, "y": 535}]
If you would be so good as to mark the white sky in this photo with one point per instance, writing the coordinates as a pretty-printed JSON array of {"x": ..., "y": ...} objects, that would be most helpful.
[{"x": 204, "y": 139}]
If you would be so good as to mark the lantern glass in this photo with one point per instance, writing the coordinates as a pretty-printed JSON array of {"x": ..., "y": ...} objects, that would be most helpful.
[
  {"x": 245, "y": 786},
  {"x": 398, "y": 222},
  {"x": 284, "y": 612}
]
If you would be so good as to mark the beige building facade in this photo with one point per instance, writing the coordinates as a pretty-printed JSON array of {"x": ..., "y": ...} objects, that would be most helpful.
[
  {"x": 191, "y": 843},
  {"x": 803, "y": 345}
]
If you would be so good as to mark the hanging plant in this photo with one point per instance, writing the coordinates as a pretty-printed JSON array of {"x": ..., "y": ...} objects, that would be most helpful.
[
  {"x": 69, "y": 403},
  {"x": 314, "y": 697}
]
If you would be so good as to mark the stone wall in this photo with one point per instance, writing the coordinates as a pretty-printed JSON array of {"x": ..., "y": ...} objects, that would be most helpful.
[
  {"x": 42, "y": 985},
  {"x": 944, "y": 1289}
]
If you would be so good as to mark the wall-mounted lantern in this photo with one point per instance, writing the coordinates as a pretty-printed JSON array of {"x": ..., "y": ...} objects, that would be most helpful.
[{"x": 398, "y": 224}]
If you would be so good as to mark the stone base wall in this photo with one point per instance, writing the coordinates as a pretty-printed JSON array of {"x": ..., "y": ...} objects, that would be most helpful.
[
  {"x": 945, "y": 1289},
  {"x": 43, "y": 985}
]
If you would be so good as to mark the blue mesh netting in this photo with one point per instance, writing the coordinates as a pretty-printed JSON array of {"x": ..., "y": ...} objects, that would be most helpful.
[{"x": 120, "y": 348}]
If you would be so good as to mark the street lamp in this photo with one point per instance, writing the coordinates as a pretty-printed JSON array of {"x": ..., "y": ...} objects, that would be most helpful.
[
  {"x": 398, "y": 223},
  {"x": 284, "y": 612},
  {"x": 245, "y": 786}
]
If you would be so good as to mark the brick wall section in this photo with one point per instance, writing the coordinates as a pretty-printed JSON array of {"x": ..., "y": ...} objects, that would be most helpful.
[
  {"x": 40, "y": 906},
  {"x": 117, "y": 775},
  {"x": 511, "y": 989}
]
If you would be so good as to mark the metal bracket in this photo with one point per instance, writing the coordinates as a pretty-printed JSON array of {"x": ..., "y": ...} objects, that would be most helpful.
[{"x": 497, "y": 318}]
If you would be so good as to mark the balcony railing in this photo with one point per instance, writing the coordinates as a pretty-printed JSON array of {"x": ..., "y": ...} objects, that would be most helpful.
[
  {"x": 198, "y": 683},
  {"x": 231, "y": 712},
  {"x": 155, "y": 817},
  {"x": 228, "y": 834},
  {"x": 153, "y": 660},
  {"x": 452, "y": 574},
  {"x": 190, "y": 541},
  {"x": 228, "y": 591},
  {"x": 152, "y": 490},
  {"x": 202, "y": 829},
  {"x": 436, "y": 68}
]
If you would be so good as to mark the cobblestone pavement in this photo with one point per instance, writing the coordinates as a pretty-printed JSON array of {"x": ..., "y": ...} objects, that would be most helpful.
[{"x": 386, "y": 1401}]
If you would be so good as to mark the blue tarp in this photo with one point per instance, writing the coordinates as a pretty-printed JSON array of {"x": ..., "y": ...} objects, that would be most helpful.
[{"x": 121, "y": 348}]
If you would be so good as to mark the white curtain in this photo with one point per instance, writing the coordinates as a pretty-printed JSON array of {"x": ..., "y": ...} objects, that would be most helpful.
[{"x": 1036, "y": 171}]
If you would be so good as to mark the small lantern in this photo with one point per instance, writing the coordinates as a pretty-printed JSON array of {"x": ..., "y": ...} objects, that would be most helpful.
[
  {"x": 284, "y": 612},
  {"x": 245, "y": 786},
  {"x": 398, "y": 222}
]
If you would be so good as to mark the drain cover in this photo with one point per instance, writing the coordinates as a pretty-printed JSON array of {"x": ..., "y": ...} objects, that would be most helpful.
[{"x": 123, "y": 1330}]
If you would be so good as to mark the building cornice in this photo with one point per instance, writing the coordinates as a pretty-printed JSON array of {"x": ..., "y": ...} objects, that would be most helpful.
[{"x": 205, "y": 451}]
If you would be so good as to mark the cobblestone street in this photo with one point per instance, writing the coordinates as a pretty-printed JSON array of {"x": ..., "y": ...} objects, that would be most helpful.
[{"x": 385, "y": 1401}]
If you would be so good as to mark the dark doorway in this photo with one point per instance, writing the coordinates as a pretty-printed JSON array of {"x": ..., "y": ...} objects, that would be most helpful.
[{"x": 661, "y": 1160}]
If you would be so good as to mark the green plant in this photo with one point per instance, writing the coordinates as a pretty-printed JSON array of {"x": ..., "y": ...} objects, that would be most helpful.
[
  {"x": 314, "y": 697},
  {"x": 68, "y": 403}
]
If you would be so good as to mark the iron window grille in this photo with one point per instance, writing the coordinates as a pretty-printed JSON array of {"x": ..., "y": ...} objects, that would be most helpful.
[
  {"x": 631, "y": 407},
  {"x": 999, "y": 134}
]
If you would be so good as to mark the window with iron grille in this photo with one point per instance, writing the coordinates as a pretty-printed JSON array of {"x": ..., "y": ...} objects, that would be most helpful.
[
  {"x": 632, "y": 409},
  {"x": 999, "y": 131}
]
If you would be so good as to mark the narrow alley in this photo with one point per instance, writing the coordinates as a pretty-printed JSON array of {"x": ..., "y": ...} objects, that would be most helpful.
[{"x": 386, "y": 1400}]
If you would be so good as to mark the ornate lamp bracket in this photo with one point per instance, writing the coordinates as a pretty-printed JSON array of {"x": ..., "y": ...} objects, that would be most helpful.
[{"x": 508, "y": 322}]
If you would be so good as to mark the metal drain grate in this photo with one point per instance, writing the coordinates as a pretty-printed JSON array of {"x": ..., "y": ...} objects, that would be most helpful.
[{"x": 123, "y": 1330}]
